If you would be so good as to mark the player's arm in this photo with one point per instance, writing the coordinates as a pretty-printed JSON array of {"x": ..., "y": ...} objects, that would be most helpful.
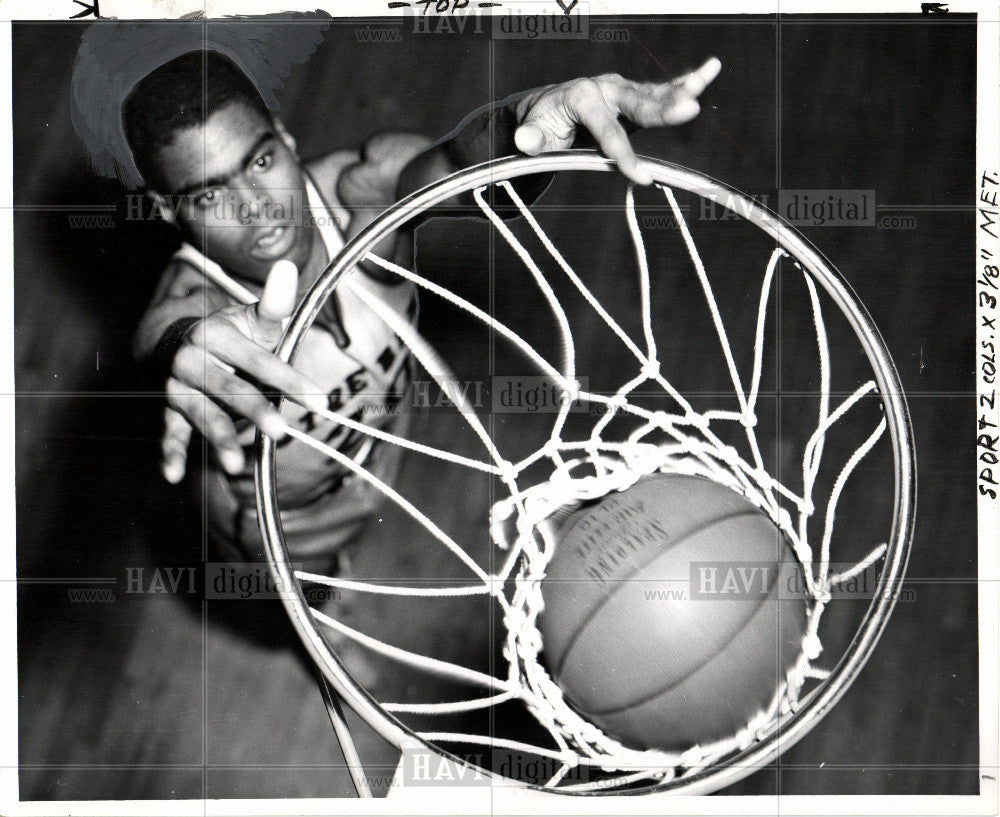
[
  {"x": 551, "y": 118},
  {"x": 180, "y": 297},
  {"x": 216, "y": 358},
  {"x": 393, "y": 165},
  {"x": 368, "y": 186}
]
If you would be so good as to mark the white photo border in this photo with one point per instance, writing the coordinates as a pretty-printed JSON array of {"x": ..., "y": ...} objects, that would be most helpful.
[{"x": 492, "y": 801}]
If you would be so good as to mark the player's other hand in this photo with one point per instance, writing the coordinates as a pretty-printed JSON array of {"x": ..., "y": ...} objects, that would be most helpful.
[
  {"x": 220, "y": 369},
  {"x": 549, "y": 117}
]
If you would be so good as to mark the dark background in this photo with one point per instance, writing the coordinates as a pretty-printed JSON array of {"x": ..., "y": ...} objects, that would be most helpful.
[{"x": 164, "y": 695}]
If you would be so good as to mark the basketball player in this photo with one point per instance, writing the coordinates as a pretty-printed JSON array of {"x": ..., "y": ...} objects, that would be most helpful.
[{"x": 259, "y": 226}]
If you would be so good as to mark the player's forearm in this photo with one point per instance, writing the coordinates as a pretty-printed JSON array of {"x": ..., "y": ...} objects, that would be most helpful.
[
  {"x": 486, "y": 133},
  {"x": 168, "y": 317}
]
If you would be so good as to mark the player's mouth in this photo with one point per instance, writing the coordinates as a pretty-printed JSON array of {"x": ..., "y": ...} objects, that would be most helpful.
[{"x": 273, "y": 243}]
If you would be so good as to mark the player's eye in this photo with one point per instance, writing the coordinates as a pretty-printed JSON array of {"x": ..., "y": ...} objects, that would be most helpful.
[
  {"x": 265, "y": 160},
  {"x": 205, "y": 199}
]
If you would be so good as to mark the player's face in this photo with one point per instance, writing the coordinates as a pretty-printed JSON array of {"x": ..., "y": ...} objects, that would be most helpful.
[{"x": 238, "y": 192}]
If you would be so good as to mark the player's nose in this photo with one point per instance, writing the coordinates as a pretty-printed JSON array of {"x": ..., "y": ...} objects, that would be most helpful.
[{"x": 254, "y": 207}]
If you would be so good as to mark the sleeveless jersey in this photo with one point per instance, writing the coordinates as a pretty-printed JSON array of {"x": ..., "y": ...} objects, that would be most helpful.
[{"x": 358, "y": 361}]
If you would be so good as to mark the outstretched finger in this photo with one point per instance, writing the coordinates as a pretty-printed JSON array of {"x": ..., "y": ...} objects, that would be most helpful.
[
  {"x": 652, "y": 110},
  {"x": 176, "y": 438},
  {"x": 244, "y": 399},
  {"x": 698, "y": 80},
  {"x": 230, "y": 348},
  {"x": 210, "y": 420},
  {"x": 682, "y": 109}
]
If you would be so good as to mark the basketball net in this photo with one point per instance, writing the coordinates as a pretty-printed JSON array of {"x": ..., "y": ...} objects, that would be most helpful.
[{"x": 679, "y": 440}]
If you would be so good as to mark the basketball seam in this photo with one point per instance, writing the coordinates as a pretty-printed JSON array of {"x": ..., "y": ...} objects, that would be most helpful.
[
  {"x": 708, "y": 659},
  {"x": 597, "y": 503},
  {"x": 600, "y": 605}
]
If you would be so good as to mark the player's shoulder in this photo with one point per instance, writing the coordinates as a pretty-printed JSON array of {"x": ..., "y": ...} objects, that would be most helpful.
[
  {"x": 325, "y": 171},
  {"x": 182, "y": 278},
  {"x": 182, "y": 275},
  {"x": 378, "y": 162},
  {"x": 394, "y": 147},
  {"x": 386, "y": 154},
  {"x": 385, "y": 148}
]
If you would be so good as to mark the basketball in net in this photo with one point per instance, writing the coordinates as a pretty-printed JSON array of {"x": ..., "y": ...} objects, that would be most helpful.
[
  {"x": 664, "y": 618},
  {"x": 606, "y": 347}
]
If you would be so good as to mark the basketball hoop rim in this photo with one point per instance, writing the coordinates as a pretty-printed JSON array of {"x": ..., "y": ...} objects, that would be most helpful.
[{"x": 790, "y": 728}]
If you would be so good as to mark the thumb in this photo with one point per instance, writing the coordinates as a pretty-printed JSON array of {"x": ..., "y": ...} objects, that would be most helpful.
[
  {"x": 530, "y": 138},
  {"x": 277, "y": 302}
]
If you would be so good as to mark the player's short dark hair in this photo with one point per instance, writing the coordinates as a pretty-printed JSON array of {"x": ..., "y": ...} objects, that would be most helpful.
[{"x": 180, "y": 94}]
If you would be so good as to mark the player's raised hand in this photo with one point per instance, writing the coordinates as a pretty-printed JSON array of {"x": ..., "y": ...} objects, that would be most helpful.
[
  {"x": 548, "y": 118},
  {"x": 220, "y": 369}
]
